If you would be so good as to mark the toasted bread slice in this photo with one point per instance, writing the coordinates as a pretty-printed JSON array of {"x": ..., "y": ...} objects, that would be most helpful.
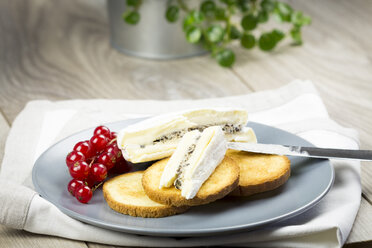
[
  {"x": 223, "y": 180},
  {"x": 125, "y": 195},
  {"x": 259, "y": 172}
]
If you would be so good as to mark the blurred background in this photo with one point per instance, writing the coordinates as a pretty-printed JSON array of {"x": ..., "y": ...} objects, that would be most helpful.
[{"x": 58, "y": 50}]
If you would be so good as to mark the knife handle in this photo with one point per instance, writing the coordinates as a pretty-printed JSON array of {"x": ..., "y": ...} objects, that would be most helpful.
[{"x": 338, "y": 153}]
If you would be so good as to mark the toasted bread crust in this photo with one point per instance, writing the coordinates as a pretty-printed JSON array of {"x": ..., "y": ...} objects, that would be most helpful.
[
  {"x": 223, "y": 180},
  {"x": 120, "y": 191},
  {"x": 260, "y": 172}
]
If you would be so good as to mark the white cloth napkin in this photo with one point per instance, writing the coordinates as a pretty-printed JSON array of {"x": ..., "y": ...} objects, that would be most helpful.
[{"x": 295, "y": 107}]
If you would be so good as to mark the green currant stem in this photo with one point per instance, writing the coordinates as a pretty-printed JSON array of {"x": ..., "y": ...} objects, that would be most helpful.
[
  {"x": 91, "y": 162},
  {"x": 112, "y": 141},
  {"x": 97, "y": 186}
]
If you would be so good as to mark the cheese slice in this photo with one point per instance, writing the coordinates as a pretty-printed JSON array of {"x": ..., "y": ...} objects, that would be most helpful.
[
  {"x": 185, "y": 148},
  {"x": 157, "y": 137},
  {"x": 194, "y": 160},
  {"x": 246, "y": 134}
]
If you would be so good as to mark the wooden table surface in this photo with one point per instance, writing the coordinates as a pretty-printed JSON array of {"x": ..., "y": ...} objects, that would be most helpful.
[{"x": 60, "y": 50}]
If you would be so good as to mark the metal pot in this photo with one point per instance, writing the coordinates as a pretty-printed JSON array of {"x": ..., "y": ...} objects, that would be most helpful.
[{"x": 153, "y": 36}]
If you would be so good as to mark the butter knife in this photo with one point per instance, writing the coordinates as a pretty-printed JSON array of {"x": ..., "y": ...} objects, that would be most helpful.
[{"x": 301, "y": 151}]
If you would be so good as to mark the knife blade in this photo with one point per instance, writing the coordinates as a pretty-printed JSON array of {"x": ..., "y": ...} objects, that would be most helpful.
[{"x": 301, "y": 151}]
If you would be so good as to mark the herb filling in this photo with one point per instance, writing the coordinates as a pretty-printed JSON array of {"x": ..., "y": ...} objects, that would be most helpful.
[
  {"x": 227, "y": 128},
  {"x": 184, "y": 163}
]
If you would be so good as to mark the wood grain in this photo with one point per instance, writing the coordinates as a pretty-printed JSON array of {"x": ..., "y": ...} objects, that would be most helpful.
[
  {"x": 17, "y": 238},
  {"x": 358, "y": 244},
  {"x": 60, "y": 50},
  {"x": 360, "y": 232},
  {"x": 94, "y": 245},
  {"x": 336, "y": 56},
  {"x": 4, "y": 130}
]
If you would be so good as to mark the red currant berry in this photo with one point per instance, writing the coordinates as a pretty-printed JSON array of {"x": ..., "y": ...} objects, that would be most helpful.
[
  {"x": 84, "y": 194},
  {"x": 90, "y": 181},
  {"x": 98, "y": 142},
  {"x": 113, "y": 135},
  {"x": 84, "y": 147},
  {"x": 102, "y": 130},
  {"x": 79, "y": 170},
  {"x": 107, "y": 159},
  {"x": 113, "y": 148},
  {"x": 74, "y": 157},
  {"x": 73, "y": 185},
  {"x": 121, "y": 167},
  {"x": 98, "y": 172}
]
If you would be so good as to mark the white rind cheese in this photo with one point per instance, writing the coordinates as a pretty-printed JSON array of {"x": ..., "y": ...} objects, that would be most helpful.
[
  {"x": 195, "y": 159},
  {"x": 181, "y": 153},
  {"x": 245, "y": 135},
  {"x": 209, "y": 152},
  {"x": 157, "y": 137}
]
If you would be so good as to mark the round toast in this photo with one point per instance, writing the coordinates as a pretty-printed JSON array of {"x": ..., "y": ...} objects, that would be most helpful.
[
  {"x": 125, "y": 195},
  {"x": 223, "y": 180},
  {"x": 259, "y": 172}
]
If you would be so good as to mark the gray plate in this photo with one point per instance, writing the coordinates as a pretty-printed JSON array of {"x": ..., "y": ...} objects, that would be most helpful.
[{"x": 310, "y": 180}]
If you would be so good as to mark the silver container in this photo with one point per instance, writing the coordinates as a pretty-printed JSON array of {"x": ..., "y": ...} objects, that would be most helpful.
[{"x": 153, "y": 36}]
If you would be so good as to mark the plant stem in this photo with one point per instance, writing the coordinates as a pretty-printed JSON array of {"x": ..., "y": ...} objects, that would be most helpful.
[
  {"x": 209, "y": 45},
  {"x": 228, "y": 28},
  {"x": 253, "y": 7},
  {"x": 97, "y": 186},
  {"x": 139, "y": 3},
  {"x": 111, "y": 141},
  {"x": 183, "y": 6}
]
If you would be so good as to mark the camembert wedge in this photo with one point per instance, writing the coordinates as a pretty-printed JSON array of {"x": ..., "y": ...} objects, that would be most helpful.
[
  {"x": 156, "y": 138},
  {"x": 194, "y": 160}
]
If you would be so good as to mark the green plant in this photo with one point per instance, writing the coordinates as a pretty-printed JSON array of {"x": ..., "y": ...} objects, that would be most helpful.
[{"x": 212, "y": 24}]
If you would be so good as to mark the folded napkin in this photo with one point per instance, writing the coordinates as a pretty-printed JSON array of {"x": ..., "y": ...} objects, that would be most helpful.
[{"x": 295, "y": 107}]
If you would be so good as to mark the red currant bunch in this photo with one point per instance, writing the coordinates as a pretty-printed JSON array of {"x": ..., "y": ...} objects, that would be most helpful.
[{"x": 90, "y": 162}]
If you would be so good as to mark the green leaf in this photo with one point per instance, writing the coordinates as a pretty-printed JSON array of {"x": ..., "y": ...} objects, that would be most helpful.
[
  {"x": 225, "y": 57},
  {"x": 215, "y": 33},
  {"x": 267, "y": 41},
  {"x": 132, "y": 3},
  {"x": 193, "y": 34},
  {"x": 132, "y": 17},
  {"x": 249, "y": 22},
  {"x": 193, "y": 18},
  {"x": 172, "y": 13},
  {"x": 298, "y": 18},
  {"x": 306, "y": 20},
  {"x": 277, "y": 35},
  {"x": 267, "y": 5},
  {"x": 220, "y": 14},
  {"x": 248, "y": 41},
  {"x": 262, "y": 16},
  {"x": 283, "y": 11},
  {"x": 234, "y": 33},
  {"x": 208, "y": 8},
  {"x": 243, "y": 5},
  {"x": 296, "y": 35},
  {"x": 228, "y": 2}
]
